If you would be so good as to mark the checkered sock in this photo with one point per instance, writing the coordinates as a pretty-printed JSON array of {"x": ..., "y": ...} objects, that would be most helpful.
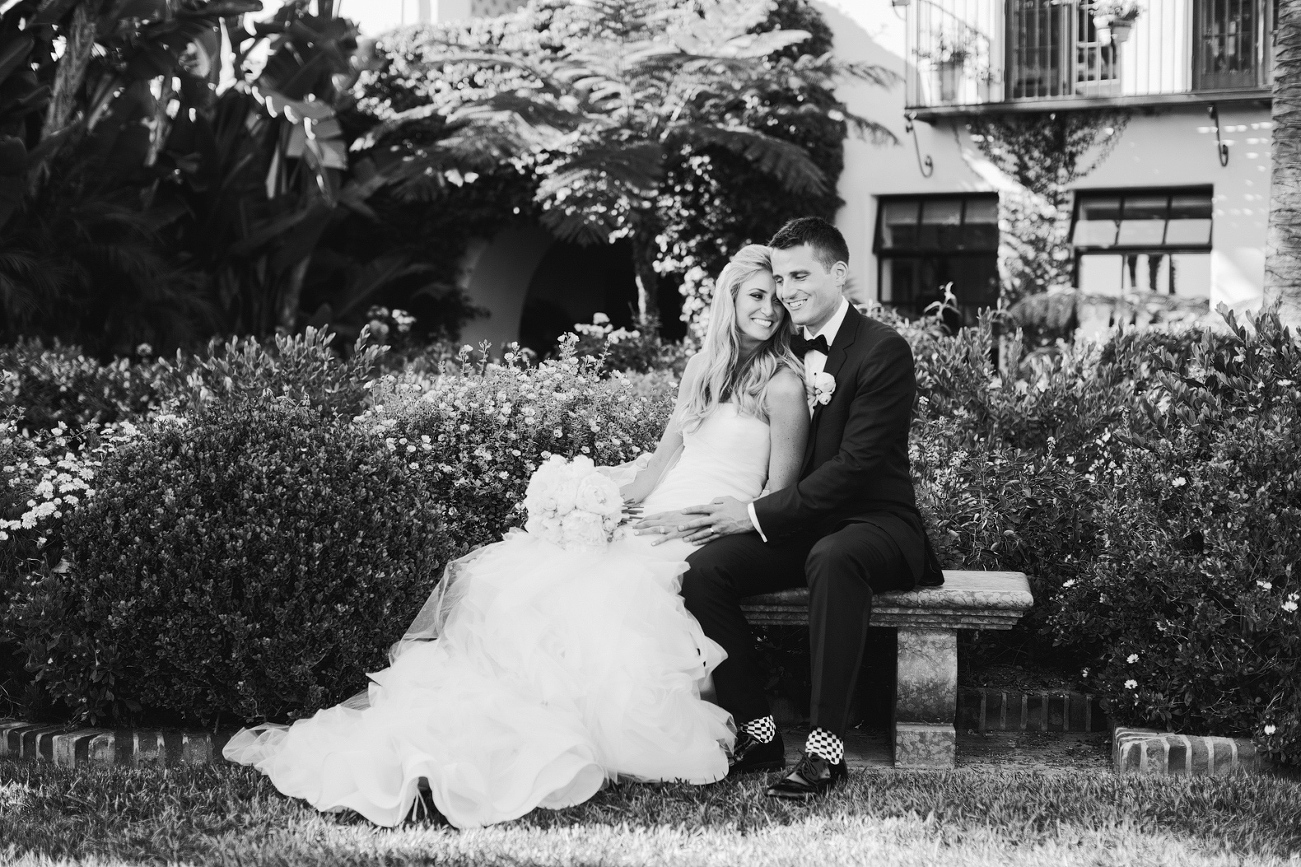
[
  {"x": 763, "y": 729},
  {"x": 823, "y": 743}
]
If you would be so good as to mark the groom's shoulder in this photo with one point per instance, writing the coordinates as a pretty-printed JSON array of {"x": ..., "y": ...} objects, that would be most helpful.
[{"x": 880, "y": 336}]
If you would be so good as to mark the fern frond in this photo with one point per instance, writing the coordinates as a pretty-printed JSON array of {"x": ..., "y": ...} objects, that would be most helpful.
[{"x": 788, "y": 163}]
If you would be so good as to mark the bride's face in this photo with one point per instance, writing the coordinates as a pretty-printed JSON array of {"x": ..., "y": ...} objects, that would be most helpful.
[{"x": 758, "y": 313}]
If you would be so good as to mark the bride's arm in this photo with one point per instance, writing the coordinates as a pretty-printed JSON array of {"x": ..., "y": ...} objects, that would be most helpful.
[
  {"x": 788, "y": 420},
  {"x": 669, "y": 445}
]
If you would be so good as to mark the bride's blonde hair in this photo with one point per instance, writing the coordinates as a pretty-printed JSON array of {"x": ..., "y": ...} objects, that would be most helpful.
[{"x": 725, "y": 374}]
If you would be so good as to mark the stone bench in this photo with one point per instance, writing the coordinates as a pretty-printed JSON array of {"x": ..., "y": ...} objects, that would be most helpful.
[{"x": 927, "y": 620}]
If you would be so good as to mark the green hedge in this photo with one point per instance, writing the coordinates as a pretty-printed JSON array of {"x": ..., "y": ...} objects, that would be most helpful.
[{"x": 253, "y": 561}]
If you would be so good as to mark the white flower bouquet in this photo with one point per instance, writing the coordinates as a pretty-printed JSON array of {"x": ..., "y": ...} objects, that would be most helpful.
[{"x": 572, "y": 503}]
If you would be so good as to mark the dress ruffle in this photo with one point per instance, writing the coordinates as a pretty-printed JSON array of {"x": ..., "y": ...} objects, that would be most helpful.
[{"x": 555, "y": 671}]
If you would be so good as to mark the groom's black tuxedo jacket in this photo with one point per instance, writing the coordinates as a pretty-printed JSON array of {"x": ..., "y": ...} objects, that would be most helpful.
[{"x": 856, "y": 461}]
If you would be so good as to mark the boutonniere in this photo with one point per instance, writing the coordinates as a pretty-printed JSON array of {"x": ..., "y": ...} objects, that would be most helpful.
[{"x": 824, "y": 385}]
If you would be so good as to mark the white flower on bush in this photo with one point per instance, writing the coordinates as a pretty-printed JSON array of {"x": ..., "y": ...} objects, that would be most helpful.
[
  {"x": 1131, "y": 684},
  {"x": 1132, "y": 658},
  {"x": 1270, "y": 729},
  {"x": 1265, "y": 585},
  {"x": 1179, "y": 482},
  {"x": 1289, "y": 606}
]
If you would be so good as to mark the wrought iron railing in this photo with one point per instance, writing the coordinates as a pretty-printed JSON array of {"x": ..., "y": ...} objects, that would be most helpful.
[{"x": 976, "y": 52}]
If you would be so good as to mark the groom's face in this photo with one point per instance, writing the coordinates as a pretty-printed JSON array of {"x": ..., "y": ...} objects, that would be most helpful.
[{"x": 808, "y": 289}]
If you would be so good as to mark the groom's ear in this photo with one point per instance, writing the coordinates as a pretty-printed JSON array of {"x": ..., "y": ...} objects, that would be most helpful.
[{"x": 840, "y": 271}]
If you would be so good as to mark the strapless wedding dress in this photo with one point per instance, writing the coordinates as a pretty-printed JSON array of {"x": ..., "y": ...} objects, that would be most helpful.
[{"x": 553, "y": 671}]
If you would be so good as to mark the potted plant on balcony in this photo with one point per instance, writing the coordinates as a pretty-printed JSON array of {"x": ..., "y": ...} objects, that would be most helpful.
[
  {"x": 949, "y": 55},
  {"x": 1113, "y": 19}
]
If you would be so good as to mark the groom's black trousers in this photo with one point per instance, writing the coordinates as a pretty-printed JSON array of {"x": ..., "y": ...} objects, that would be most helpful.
[{"x": 843, "y": 571}]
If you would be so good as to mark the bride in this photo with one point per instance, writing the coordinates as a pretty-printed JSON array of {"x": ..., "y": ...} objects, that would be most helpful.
[{"x": 554, "y": 670}]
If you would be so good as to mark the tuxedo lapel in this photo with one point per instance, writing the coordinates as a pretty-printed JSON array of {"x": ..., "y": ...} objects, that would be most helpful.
[{"x": 840, "y": 348}]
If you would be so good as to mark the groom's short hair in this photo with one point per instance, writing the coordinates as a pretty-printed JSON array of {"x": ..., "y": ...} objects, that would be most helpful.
[{"x": 828, "y": 244}]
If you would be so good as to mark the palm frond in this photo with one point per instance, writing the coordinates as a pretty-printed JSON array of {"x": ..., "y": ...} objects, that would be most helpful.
[
  {"x": 870, "y": 130},
  {"x": 870, "y": 73},
  {"x": 788, "y": 163},
  {"x": 579, "y": 225}
]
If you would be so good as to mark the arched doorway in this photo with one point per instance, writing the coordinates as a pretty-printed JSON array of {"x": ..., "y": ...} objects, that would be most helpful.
[{"x": 571, "y": 284}]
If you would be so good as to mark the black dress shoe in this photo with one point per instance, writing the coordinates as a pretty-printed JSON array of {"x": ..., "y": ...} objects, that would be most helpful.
[
  {"x": 750, "y": 754},
  {"x": 813, "y": 777}
]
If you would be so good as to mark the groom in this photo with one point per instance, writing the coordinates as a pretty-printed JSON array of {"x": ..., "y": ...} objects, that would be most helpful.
[{"x": 849, "y": 527}]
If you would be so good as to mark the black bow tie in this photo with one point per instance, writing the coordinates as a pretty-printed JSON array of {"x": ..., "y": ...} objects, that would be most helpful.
[{"x": 801, "y": 346}]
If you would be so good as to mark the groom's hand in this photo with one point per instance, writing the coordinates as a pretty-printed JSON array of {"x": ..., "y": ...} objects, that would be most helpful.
[
  {"x": 663, "y": 525},
  {"x": 725, "y": 516}
]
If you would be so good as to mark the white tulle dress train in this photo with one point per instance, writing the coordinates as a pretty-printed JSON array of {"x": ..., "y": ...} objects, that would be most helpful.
[{"x": 553, "y": 671}]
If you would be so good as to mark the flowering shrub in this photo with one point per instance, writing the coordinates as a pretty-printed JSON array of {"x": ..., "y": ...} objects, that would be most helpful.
[
  {"x": 627, "y": 350},
  {"x": 45, "y": 477},
  {"x": 253, "y": 561},
  {"x": 43, "y": 388},
  {"x": 1189, "y": 611},
  {"x": 477, "y": 432},
  {"x": 300, "y": 368},
  {"x": 988, "y": 505}
]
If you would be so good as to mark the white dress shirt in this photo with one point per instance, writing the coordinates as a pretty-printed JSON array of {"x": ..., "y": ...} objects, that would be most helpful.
[{"x": 814, "y": 363}]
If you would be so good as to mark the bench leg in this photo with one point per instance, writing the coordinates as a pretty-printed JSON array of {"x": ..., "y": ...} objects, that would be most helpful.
[{"x": 926, "y": 698}]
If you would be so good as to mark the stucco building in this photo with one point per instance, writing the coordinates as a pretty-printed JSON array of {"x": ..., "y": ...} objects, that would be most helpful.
[{"x": 1177, "y": 208}]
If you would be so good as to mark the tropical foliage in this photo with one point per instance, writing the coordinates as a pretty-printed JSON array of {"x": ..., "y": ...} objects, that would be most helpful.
[
  {"x": 600, "y": 102},
  {"x": 150, "y": 194}
]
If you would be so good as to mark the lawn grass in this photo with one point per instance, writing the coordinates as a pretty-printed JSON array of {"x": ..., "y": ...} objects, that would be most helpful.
[{"x": 230, "y": 815}]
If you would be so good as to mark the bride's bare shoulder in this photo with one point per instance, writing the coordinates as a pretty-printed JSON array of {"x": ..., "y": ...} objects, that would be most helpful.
[
  {"x": 694, "y": 370},
  {"x": 785, "y": 387}
]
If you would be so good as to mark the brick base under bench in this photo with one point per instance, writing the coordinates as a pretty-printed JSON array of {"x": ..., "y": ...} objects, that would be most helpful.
[
  {"x": 927, "y": 620},
  {"x": 79, "y": 747}
]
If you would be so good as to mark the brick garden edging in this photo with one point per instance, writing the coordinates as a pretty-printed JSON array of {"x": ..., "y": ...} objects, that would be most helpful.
[
  {"x": 80, "y": 747},
  {"x": 979, "y": 708},
  {"x": 1148, "y": 751}
]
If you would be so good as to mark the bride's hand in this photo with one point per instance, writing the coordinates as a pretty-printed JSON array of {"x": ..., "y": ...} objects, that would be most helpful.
[{"x": 663, "y": 525}]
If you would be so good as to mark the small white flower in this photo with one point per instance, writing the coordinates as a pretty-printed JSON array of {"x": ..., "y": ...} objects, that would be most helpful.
[
  {"x": 1131, "y": 684},
  {"x": 1269, "y": 729},
  {"x": 1179, "y": 482},
  {"x": 1068, "y": 583},
  {"x": 1132, "y": 658},
  {"x": 1289, "y": 606},
  {"x": 1265, "y": 585}
]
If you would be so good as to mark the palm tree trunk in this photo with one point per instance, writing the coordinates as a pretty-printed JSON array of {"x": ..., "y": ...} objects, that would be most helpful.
[
  {"x": 1283, "y": 244},
  {"x": 72, "y": 67}
]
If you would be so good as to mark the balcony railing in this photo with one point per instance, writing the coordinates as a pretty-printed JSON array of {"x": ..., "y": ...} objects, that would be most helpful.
[{"x": 1056, "y": 53}]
